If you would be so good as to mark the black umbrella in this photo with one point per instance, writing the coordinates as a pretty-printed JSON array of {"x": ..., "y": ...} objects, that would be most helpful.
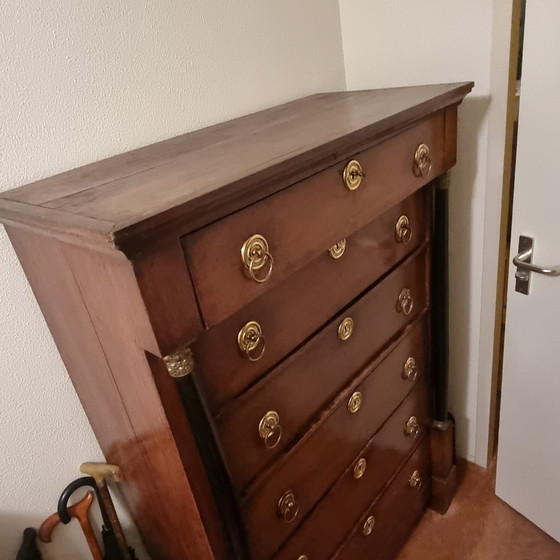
[
  {"x": 112, "y": 550},
  {"x": 28, "y": 549}
]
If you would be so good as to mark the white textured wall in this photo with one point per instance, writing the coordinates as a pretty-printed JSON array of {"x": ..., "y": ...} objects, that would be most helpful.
[
  {"x": 409, "y": 43},
  {"x": 84, "y": 80}
]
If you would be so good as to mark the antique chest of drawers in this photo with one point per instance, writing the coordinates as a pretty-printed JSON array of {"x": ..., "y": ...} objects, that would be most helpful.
[{"x": 254, "y": 318}]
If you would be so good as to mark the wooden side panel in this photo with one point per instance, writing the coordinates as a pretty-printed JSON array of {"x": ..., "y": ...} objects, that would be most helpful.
[
  {"x": 168, "y": 295},
  {"x": 94, "y": 309}
]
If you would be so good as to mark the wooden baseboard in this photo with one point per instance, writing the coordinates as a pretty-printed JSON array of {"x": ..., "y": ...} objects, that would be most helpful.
[{"x": 444, "y": 471}]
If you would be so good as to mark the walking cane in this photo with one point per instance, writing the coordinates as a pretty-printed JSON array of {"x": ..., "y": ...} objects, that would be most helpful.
[
  {"x": 101, "y": 473},
  {"x": 79, "y": 511}
]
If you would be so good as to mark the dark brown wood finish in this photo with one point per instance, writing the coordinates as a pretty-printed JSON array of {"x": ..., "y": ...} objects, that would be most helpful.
[
  {"x": 322, "y": 532},
  {"x": 134, "y": 257},
  {"x": 304, "y": 221},
  {"x": 102, "y": 333},
  {"x": 395, "y": 512},
  {"x": 314, "y": 295},
  {"x": 312, "y": 466},
  {"x": 308, "y": 380}
]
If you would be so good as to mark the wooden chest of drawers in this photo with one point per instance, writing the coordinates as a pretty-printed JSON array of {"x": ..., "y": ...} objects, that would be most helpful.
[{"x": 248, "y": 315}]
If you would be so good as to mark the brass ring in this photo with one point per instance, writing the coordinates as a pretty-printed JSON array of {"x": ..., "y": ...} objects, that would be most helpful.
[
  {"x": 422, "y": 161},
  {"x": 412, "y": 428},
  {"x": 256, "y": 357},
  {"x": 270, "y": 429},
  {"x": 415, "y": 480},
  {"x": 410, "y": 369},
  {"x": 403, "y": 230},
  {"x": 288, "y": 507},
  {"x": 405, "y": 302},
  {"x": 252, "y": 267}
]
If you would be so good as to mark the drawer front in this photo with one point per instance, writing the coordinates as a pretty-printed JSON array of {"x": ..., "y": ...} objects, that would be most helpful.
[
  {"x": 304, "y": 302},
  {"x": 231, "y": 267},
  {"x": 318, "y": 459},
  {"x": 395, "y": 513},
  {"x": 312, "y": 377},
  {"x": 338, "y": 512}
]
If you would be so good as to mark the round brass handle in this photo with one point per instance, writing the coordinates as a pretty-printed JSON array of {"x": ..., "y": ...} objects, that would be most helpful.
[
  {"x": 412, "y": 428},
  {"x": 270, "y": 429},
  {"x": 369, "y": 524},
  {"x": 405, "y": 303},
  {"x": 255, "y": 256},
  {"x": 337, "y": 250},
  {"x": 415, "y": 480},
  {"x": 403, "y": 230},
  {"x": 410, "y": 369},
  {"x": 303, "y": 557},
  {"x": 360, "y": 468},
  {"x": 353, "y": 175},
  {"x": 346, "y": 328},
  {"x": 355, "y": 402},
  {"x": 288, "y": 507},
  {"x": 422, "y": 161},
  {"x": 251, "y": 341}
]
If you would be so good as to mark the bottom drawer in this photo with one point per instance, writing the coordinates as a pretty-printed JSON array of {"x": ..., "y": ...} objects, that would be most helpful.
[{"x": 386, "y": 525}]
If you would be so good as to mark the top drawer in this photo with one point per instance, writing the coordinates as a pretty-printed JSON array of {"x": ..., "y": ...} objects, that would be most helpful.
[{"x": 238, "y": 258}]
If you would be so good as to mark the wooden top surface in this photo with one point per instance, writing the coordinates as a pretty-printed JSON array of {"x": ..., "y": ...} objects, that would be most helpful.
[{"x": 201, "y": 176}]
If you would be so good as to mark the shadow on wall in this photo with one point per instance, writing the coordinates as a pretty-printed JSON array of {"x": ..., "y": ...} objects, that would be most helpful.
[{"x": 464, "y": 226}]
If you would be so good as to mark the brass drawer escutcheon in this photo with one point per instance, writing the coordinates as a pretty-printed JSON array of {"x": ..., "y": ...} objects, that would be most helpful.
[
  {"x": 337, "y": 250},
  {"x": 355, "y": 402},
  {"x": 251, "y": 341},
  {"x": 410, "y": 369},
  {"x": 353, "y": 175},
  {"x": 415, "y": 480},
  {"x": 288, "y": 507},
  {"x": 422, "y": 161},
  {"x": 270, "y": 429},
  {"x": 412, "y": 428},
  {"x": 360, "y": 468},
  {"x": 255, "y": 256},
  {"x": 369, "y": 524},
  {"x": 346, "y": 328},
  {"x": 303, "y": 557},
  {"x": 403, "y": 230},
  {"x": 405, "y": 302}
]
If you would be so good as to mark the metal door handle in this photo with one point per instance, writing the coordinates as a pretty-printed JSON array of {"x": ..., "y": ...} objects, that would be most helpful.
[{"x": 524, "y": 265}]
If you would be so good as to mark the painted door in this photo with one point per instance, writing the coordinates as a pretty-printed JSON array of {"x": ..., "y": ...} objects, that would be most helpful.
[{"x": 528, "y": 475}]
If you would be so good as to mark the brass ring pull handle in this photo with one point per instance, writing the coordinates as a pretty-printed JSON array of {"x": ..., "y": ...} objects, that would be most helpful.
[
  {"x": 288, "y": 507},
  {"x": 369, "y": 524},
  {"x": 355, "y": 402},
  {"x": 353, "y": 175},
  {"x": 270, "y": 429},
  {"x": 412, "y": 428},
  {"x": 360, "y": 468},
  {"x": 422, "y": 161},
  {"x": 303, "y": 557},
  {"x": 415, "y": 480},
  {"x": 405, "y": 302},
  {"x": 256, "y": 257},
  {"x": 346, "y": 328},
  {"x": 403, "y": 230},
  {"x": 337, "y": 250},
  {"x": 410, "y": 369},
  {"x": 251, "y": 341}
]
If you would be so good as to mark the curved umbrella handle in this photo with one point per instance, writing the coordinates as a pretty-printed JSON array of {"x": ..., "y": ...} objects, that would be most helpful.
[{"x": 62, "y": 507}]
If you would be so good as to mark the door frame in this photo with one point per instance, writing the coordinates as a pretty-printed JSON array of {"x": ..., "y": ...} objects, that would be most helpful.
[{"x": 498, "y": 196}]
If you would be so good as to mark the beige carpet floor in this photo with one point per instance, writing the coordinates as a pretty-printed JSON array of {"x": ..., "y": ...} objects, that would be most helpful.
[{"x": 478, "y": 526}]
